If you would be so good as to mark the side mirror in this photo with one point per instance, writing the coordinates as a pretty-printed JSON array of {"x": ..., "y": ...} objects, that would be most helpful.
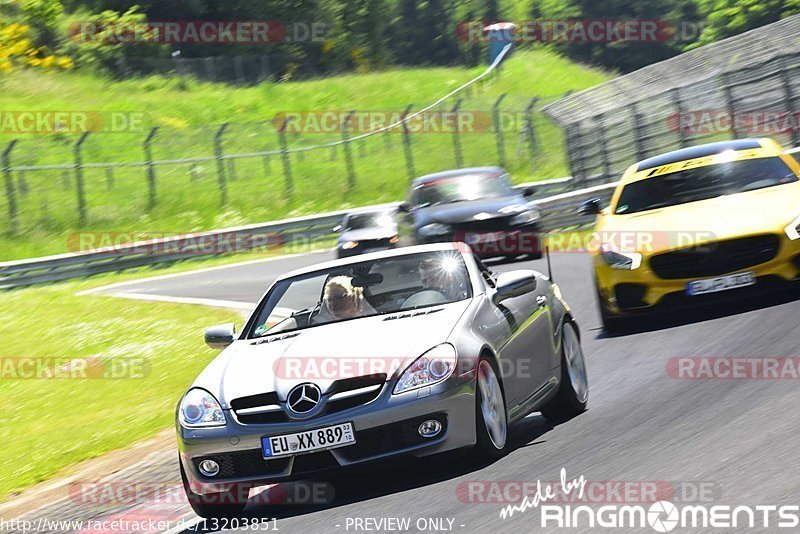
[
  {"x": 220, "y": 336},
  {"x": 513, "y": 284},
  {"x": 590, "y": 207},
  {"x": 405, "y": 207},
  {"x": 529, "y": 191},
  {"x": 337, "y": 228}
]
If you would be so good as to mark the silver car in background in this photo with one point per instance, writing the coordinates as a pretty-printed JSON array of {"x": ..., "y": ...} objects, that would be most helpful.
[{"x": 413, "y": 351}]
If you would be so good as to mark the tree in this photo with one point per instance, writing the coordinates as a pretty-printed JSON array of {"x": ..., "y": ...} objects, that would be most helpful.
[{"x": 726, "y": 18}]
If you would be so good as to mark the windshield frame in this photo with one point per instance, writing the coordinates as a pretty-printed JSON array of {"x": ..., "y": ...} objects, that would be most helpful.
[{"x": 248, "y": 331}]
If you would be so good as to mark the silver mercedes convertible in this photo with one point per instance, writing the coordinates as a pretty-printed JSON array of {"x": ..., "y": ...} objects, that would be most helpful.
[{"x": 413, "y": 351}]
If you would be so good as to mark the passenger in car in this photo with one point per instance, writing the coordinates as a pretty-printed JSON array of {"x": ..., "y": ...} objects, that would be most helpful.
[{"x": 342, "y": 300}]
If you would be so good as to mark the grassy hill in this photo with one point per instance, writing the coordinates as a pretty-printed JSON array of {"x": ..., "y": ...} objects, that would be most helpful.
[{"x": 188, "y": 113}]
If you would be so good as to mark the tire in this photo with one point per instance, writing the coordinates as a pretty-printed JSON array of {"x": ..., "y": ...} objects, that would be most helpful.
[
  {"x": 491, "y": 418},
  {"x": 573, "y": 391},
  {"x": 209, "y": 506}
]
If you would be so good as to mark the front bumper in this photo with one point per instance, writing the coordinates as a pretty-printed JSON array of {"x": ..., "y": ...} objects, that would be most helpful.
[
  {"x": 384, "y": 428},
  {"x": 641, "y": 290}
]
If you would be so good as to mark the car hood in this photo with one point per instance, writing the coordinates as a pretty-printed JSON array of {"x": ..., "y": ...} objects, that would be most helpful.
[
  {"x": 767, "y": 210},
  {"x": 458, "y": 212},
  {"x": 366, "y": 234},
  {"x": 325, "y": 353}
]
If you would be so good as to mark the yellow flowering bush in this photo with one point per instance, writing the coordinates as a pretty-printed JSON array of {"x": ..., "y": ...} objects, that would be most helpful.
[{"x": 17, "y": 50}]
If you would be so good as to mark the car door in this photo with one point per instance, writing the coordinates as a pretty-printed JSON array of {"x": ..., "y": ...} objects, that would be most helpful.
[{"x": 527, "y": 353}]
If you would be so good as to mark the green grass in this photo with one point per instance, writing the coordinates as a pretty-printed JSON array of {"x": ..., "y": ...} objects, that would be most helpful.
[
  {"x": 56, "y": 423},
  {"x": 188, "y": 113}
]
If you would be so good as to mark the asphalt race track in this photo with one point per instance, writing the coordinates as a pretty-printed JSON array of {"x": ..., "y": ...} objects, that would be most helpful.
[{"x": 736, "y": 440}]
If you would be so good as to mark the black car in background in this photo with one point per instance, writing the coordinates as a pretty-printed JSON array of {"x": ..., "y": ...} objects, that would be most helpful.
[
  {"x": 366, "y": 231},
  {"x": 477, "y": 206}
]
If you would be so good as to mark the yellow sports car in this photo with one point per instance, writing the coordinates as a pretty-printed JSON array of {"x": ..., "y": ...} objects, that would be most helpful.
[{"x": 686, "y": 225}]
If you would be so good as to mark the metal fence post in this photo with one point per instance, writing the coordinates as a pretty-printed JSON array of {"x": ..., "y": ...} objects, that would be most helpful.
[
  {"x": 498, "y": 131},
  {"x": 10, "y": 194},
  {"x": 407, "y": 146},
  {"x": 676, "y": 99},
  {"x": 457, "y": 135},
  {"x": 348, "y": 156},
  {"x": 79, "y": 179},
  {"x": 788, "y": 96},
  {"x": 151, "y": 170},
  {"x": 531, "y": 131},
  {"x": 577, "y": 164},
  {"x": 223, "y": 185},
  {"x": 639, "y": 132},
  {"x": 730, "y": 105},
  {"x": 287, "y": 162},
  {"x": 601, "y": 134}
]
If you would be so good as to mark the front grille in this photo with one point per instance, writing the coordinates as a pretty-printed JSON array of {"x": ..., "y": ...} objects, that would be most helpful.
[
  {"x": 496, "y": 224},
  {"x": 332, "y": 406},
  {"x": 351, "y": 384},
  {"x": 387, "y": 438},
  {"x": 248, "y": 463},
  {"x": 372, "y": 243},
  {"x": 717, "y": 258},
  {"x": 253, "y": 401}
]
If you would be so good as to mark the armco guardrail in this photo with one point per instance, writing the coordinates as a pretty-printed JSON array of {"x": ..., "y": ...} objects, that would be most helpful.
[{"x": 559, "y": 212}]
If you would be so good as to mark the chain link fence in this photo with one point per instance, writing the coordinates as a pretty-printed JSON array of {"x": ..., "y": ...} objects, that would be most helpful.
[
  {"x": 744, "y": 86},
  {"x": 227, "y": 174}
]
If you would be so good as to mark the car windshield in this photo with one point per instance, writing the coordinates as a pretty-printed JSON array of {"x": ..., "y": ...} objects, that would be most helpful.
[
  {"x": 368, "y": 220},
  {"x": 703, "y": 183},
  {"x": 381, "y": 286},
  {"x": 462, "y": 189}
]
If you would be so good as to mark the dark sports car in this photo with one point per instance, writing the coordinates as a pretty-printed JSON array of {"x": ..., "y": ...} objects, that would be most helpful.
[
  {"x": 366, "y": 231},
  {"x": 477, "y": 206}
]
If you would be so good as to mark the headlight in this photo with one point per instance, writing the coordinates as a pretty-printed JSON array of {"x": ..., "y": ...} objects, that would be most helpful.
[
  {"x": 431, "y": 368},
  {"x": 526, "y": 217},
  {"x": 347, "y": 245},
  {"x": 621, "y": 260},
  {"x": 434, "y": 229},
  {"x": 793, "y": 230},
  {"x": 199, "y": 408},
  {"x": 394, "y": 239}
]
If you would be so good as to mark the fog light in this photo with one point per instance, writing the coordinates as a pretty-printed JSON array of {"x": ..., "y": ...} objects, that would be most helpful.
[
  {"x": 430, "y": 428},
  {"x": 209, "y": 468}
]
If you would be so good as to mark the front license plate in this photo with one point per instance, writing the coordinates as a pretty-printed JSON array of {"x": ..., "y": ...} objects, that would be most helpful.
[
  {"x": 328, "y": 437},
  {"x": 722, "y": 283}
]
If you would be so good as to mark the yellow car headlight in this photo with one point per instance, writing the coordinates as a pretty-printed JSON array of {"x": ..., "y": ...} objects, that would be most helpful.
[
  {"x": 627, "y": 261},
  {"x": 347, "y": 245},
  {"x": 793, "y": 229}
]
